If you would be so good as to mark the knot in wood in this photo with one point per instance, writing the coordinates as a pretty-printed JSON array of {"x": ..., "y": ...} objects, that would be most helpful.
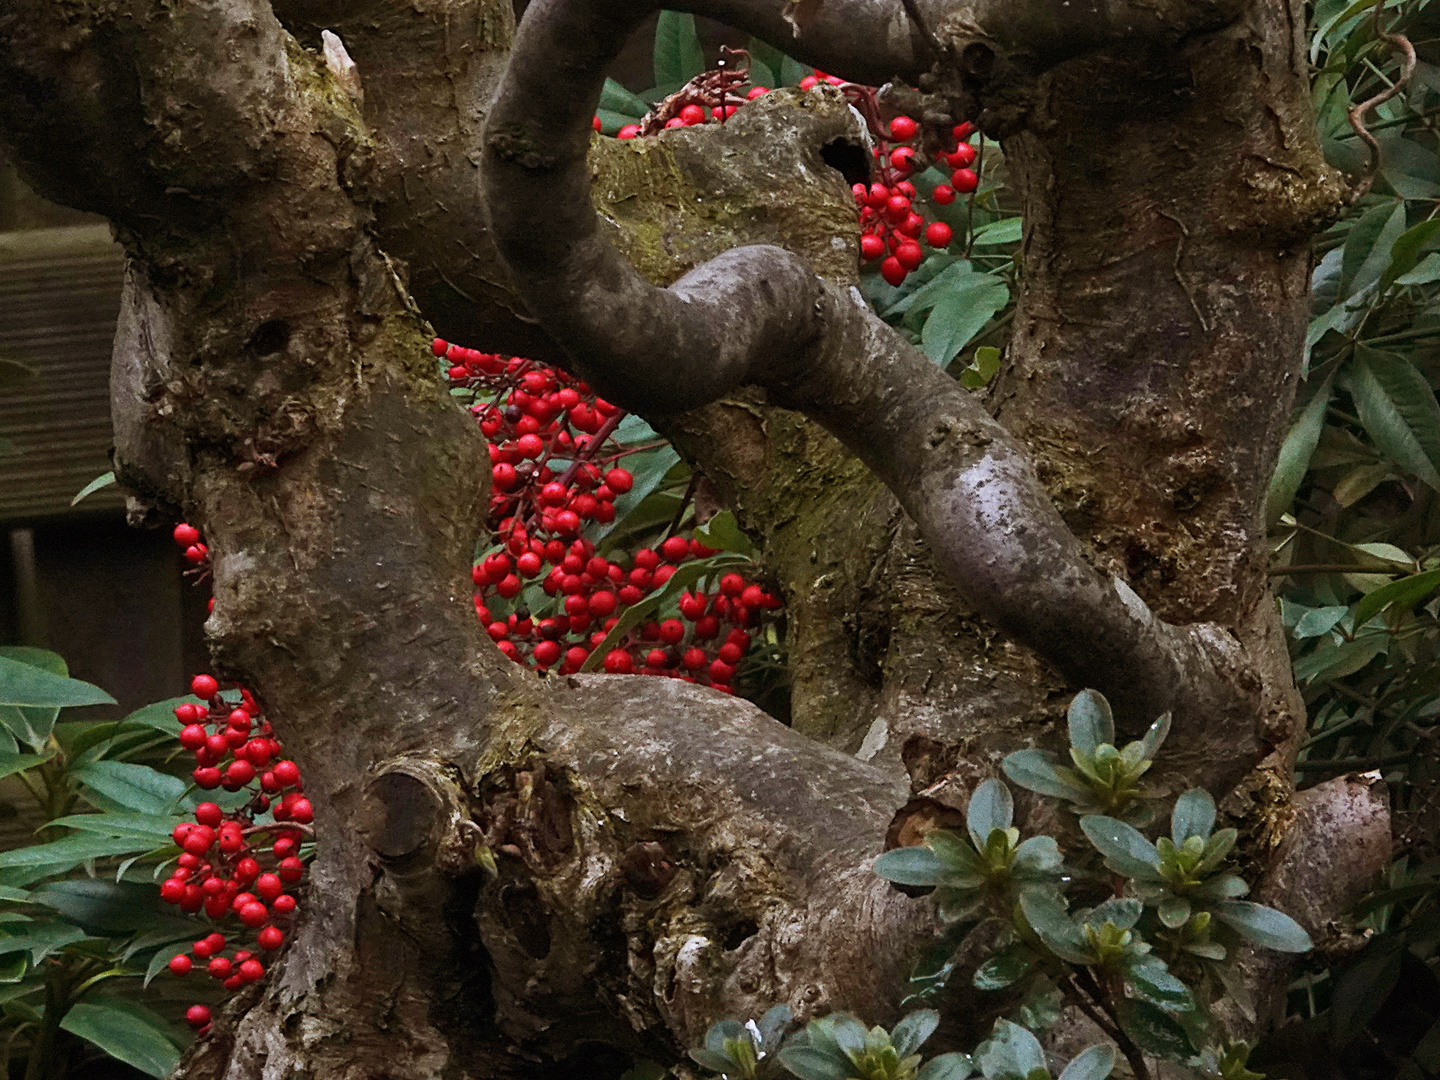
[
  {"x": 648, "y": 868},
  {"x": 400, "y": 814}
]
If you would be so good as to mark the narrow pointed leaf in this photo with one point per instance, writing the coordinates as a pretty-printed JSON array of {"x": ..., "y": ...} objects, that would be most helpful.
[
  {"x": 1035, "y": 771},
  {"x": 125, "y": 1032},
  {"x": 912, "y": 866},
  {"x": 27, "y": 685}
]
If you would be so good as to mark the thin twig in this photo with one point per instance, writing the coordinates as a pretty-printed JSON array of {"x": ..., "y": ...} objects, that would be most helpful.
[
  {"x": 1357, "y": 113},
  {"x": 1127, "y": 1045},
  {"x": 1330, "y": 568}
]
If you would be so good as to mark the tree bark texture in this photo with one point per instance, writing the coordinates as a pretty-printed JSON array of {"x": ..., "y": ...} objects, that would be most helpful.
[{"x": 676, "y": 856}]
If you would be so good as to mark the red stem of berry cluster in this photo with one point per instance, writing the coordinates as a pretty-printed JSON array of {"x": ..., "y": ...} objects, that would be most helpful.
[{"x": 1402, "y": 44}]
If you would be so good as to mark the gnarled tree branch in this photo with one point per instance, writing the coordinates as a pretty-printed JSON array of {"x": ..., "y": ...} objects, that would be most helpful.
[{"x": 759, "y": 315}]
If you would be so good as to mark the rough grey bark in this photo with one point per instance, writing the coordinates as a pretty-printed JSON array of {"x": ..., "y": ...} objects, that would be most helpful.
[{"x": 680, "y": 855}]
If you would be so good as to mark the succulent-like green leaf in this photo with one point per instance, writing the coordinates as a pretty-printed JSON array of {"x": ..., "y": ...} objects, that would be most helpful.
[
  {"x": 1004, "y": 968},
  {"x": 912, "y": 866},
  {"x": 810, "y": 1064},
  {"x": 1222, "y": 887},
  {"x": 1011, "y": 1053},
  {"x": 1264, "y": 925},
  {"x": 910, "y": 1033},
  {"x": 1039, "y": 855},
  {"x": 947, "y": 1067},
  {"x": 1126, "y": 851},
  {"x": 1094, "y": 1063},
  {"x": 1151, "y": 981},
  {"x": 1046, "y": 913},
  {"x": 1121, "y": 911},
  {"x": 1174, "y": 912},
  {"x": 1194, "y": 815},
  {"x": 1035, "y": 770},
  {"x": 991, "y": 808},
  {"x": 1091, "y": 722},
  {"x": 1155, "y": 737}
]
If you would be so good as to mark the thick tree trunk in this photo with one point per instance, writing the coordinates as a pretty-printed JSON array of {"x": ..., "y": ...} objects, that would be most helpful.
[{"x": 674, "y": 855}]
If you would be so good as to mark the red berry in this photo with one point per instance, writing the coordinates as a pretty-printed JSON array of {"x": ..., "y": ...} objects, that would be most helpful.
[
  {"x": 694, "y": 659},
  {"x": 962, "y": 157},
  {"x": 284, "y": 847},
  {"x": 238, "y": 774},
  {"x": 618, "y": 662},
  {"x": 692, "y": 114},
  {"x": 902, "y": 129},
  {"x": 284, "y": 905},
  {"x": 547, "y": 652},
  {"x": 172, "y": 890},
  {"x": 939, "y": 235},
  {"x": 252, "y": 969},
  {"x": 943, "y": 194},
  {"x": 219, "y": 968},
  {"x": 619, "y": 480},
  {"x": 302, "y": 812},
  {"x": 197, "y": 1016},
  {"x": 675, "y": 549},
  {"x": 902, "y": 159},
  {"x": 185, "y": 535},
  {"x": 602, "y": 604},
  {"x": 909, "y": 255},
  {"x": 671, "y": 631},
  {"x": 287, "y": 772},
  {"x": 254, "y": 914},
  {"x": 756, "y": 91},
  {"x": 292, "y": 869},
  {"x": 199, "y": 840},
  {"x": 732, "y": 584},
  {"x": 629, "y": 131},
  {"x": 964, "y": 181},
  {"x": 271, "y": 938},
  {"x": 871, "y": 247},
  {"x": 268, "y": 886},
  {"x": 204, "y": 686},
  {"x": 180, "y": 964},
  {"x": 245, "y": 870},
  {"x": 892, "y": 271},
  {"x": 963, "y": 131}
]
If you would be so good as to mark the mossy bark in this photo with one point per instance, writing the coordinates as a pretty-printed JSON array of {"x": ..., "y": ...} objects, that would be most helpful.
[{"x": 666, "y": 855}]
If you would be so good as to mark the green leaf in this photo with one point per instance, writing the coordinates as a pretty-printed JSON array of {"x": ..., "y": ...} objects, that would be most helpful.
[
  {"x": 13, "y": 763},
  {"x": 648, "y": 470},
  {"x": 136, "y": 787},
  {"x": 723, "y": 533},
  {"x": 1125, "y": 850},
  {"x": 1094, "y": 1063},
  {"x": 41, "y": 939},
  {"x": 1318, "y": 621},
  {"x": 1046, "y": 913},
  {"x": 26, "y": 684},
  {"x": 706, "y": 1059},
  {"x": 1295, "y": 454},
  {"x": 104, "y": 480},
  {"x": 991, "y": 808},
  {"x": 938, "y": 275},
  {"x": 910, "y": 1033},
  {"x": 619, "y": 100},
  {"x": 678, "y": 55},
  {"x": 910, "y": 866},
  {"x": 132, "y": 1034},
  {"x": 1222, "y": 887},
  {"x": 1091, "y": 722},
  {"x": 1194, "y": 815},
  {"x": 1004, "y": 231},
  {"x": 62, "y": 855},
  {"x": 1037, "y": 855},
  {"x": 1427, "y": 272},
  {"x": 1398, "y": 409},
  {"x": 1122, "y": 912},
  {"x": 1034, "y": 770},
  {"x": 155, "y": 827},
  {"x": 959, "y": 316},
  {"x": 100, "y": 906},
  {"x": 1364, "y": 987},
  {"x": 1154, "y": 1030},
  {"x": 1155, "y": 736},
  {"x": 1011, "y": 1051},
  {"x": 1398, "y": 597},
  {"x": 810, "y": 1064},
  {"x": 160, "y": 715},
  {"x": 952, "y": 1066},
  {"x": 1406, "y": 250},
  {"x": 1151, "y": 981},
  {"x": 1004, "y": 969},
  {"x": 1264, "y": 926},
  {"x": 1368, "y": 245},
  {"x": 1174, "y": 912}
]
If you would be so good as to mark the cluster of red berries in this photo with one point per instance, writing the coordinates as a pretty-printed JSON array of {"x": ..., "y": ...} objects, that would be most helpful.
[
  {"x": 532, "y": 416},
  {"x": 888, "y": 218},
  {"x": 223, "y": 868}
]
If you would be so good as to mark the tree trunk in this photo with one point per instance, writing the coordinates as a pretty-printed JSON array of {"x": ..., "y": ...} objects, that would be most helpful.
[{"x": 676, "y": 856}]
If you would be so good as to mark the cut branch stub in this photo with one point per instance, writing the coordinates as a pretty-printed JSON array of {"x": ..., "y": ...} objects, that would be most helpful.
[{"x": 416, "y": 808}]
